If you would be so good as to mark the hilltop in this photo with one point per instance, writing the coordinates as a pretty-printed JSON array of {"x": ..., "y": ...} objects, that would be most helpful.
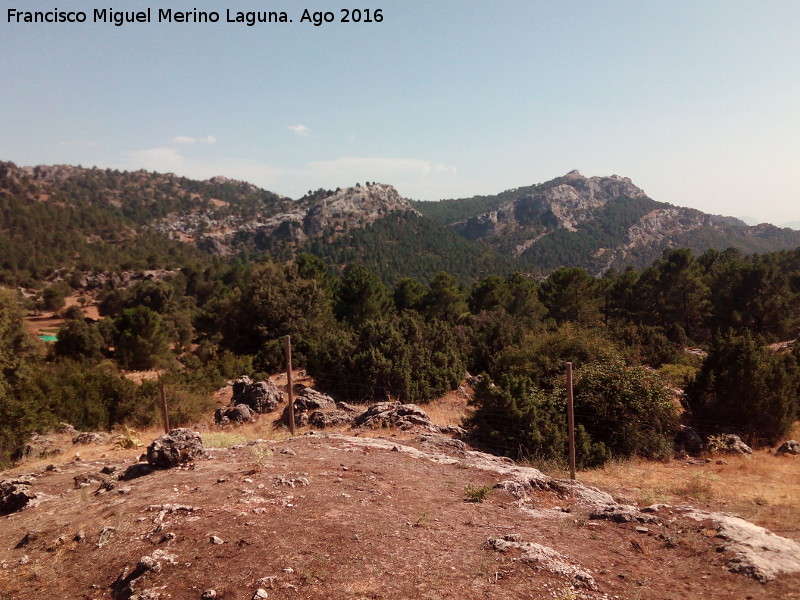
[
  {"x": 333, "y": 516},
  {"x": 596, "y": 223}
]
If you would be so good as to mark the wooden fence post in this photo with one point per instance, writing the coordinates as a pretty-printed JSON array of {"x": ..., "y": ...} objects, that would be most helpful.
[
  {"x": 289, "y": 382},
  {"x": 570, "y": 422},
  {"x": 164, "y": 409}
]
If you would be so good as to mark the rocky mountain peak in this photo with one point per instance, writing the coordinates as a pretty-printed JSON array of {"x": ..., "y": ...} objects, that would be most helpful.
[{"x": 356, "y": 206}]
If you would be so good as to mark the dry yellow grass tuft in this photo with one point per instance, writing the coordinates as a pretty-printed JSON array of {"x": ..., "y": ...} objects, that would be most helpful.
[
  {"x": 763, "y": 488},
  {"x": 450, "y": 409}
]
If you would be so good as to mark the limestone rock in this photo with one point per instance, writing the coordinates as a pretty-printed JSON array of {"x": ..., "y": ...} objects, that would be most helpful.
[
  {"x": 15, "y": 494},
  {"x": 728, "y": 443},
  {"x": 310, "y": 399},
  {"x": 544, "y": 558},
  {"x": 260, "y": 397},
  {"x": 41, "y": 446},
  {"x": 88, "y": 437},
  {"x": 233, "y": 415},
  {"x": 137, "y": 470},
  {"x": 789, "y": 447},
  {"x": 173, "y": 448},
  {"x": 688, "y": 439},
  {"x": 334, "y": 418},
  {"x": 395, "y": 414}
]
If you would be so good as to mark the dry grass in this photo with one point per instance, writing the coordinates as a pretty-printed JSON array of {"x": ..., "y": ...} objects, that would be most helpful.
[
  {"x": 763, "y": 488},
  {"x": 450, "y": 409}
]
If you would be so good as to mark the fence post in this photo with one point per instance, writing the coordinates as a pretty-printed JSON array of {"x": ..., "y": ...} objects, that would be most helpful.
[
  {"x": 570, "y": 422},
  {"x": 289, "y": 382},
  {"x": 164, "y": 409}
]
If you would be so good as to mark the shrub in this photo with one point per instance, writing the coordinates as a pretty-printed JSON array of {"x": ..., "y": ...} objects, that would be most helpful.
[
  {"x": 627, "y": 408},
  {"x": 543, "y": 357},
  {"x": 516, "y": 419},
  {"x": 744, "y": 387}
]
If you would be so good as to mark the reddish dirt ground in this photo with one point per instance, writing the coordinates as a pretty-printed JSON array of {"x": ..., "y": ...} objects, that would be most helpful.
[{"x": 359, "y": 523}]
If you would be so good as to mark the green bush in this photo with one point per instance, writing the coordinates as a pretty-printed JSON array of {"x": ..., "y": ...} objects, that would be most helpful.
[
  {"x": 401, "y": 356},
  {"x": 543, "y": 356},
  {"x": 746, "y": 388},
  {"x": 141, "y": 341},
  {"x": 516, "y": 419},
  {"x": 627, "y": 408}
]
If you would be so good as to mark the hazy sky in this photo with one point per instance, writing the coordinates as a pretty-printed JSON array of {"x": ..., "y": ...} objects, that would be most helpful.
[{"x": 698, "y": 102}]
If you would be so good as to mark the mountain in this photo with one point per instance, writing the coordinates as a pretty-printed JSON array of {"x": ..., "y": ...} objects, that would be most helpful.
[
  {"x": 61, "y": 219},
  {"x": 595, "y": 223},
  {"x": 76, "y": 219}
]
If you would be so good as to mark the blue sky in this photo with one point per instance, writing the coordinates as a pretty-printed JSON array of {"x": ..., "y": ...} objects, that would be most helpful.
[{"x": 697, "y": 102}]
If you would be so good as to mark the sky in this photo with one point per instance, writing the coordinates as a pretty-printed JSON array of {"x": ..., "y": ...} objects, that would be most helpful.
[{"x": 698, "y": 102}]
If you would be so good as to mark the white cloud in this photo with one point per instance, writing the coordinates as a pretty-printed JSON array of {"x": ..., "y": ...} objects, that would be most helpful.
[
  {"x": 162, "y": 159},
  {"x": 300, "y": 130},
  {"x": 185, "y": 139},
  {"x": 79, "y": 143}
]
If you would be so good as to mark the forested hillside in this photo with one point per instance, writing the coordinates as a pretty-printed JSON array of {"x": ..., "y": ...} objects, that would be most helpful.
[
  {"x": 595, "y": 223},
  {"x": 363, "y": 341},
  {"x": 201, "y": 281}
]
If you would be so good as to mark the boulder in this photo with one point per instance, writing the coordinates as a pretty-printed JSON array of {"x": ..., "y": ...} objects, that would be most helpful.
[
  {"x": 260, "y": 397},
  {"x": 135, "y": 471},
  {"x": 789, "y": 447},
  {"x": 307, "y": 401},
  {"x": 333, "y": 418},
  {"x": 395, "y": 414},
  {"x": 728, "y": 443},
  {"x": 41, "y": 446},
  {"x": 173, "y": 448},
  {"x": 88, "y": 437},
  {"x": 689, "y": 440},
  {"x": 233, "y": 415},
  {"x": 15, "y": 494}
]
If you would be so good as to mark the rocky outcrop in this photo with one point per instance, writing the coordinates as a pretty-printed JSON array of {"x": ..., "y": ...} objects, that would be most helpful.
[
  {"x": 758, "y": 553},
  {"x": 728, "y": 443},
  {"x": 41, "y": 446},
  {"x": 174, "y": 448},
  {"x": 689, "y": 440},
  {"x": 395, "y": 414},
  {"x": 544, "y": 558},
  {"x": 88, "y": 437},
  {"x": 233, "y": 415},
  {"x": 330, "y": 418},
  {"x": 15, "y": 494},
  {"x": 306, "y": 402},
  {"x": 564, "y": 203},
  {"x": 261, "y": 396},
  {"x": 789, "y": 447},
  {"x": 319, "y": 213}
]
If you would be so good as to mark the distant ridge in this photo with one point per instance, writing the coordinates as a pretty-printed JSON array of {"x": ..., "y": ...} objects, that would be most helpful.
[{"x": 72, "y": 218}]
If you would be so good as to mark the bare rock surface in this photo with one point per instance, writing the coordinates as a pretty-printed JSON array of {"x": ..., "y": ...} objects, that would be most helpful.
[
  {"x": 789, "y": 447},
  {"x": 758, "y": 553},
  {"x": 543, "y": 558},
  {"x": 331, "y": 516}
]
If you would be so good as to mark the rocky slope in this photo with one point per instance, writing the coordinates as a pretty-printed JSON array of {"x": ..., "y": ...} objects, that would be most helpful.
[
  {"x": 600, "y": 222},
  {"x": 70, "y": 215},
  {"x": 322, "y": 213},
  {"x": 338, "y": 516}
]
